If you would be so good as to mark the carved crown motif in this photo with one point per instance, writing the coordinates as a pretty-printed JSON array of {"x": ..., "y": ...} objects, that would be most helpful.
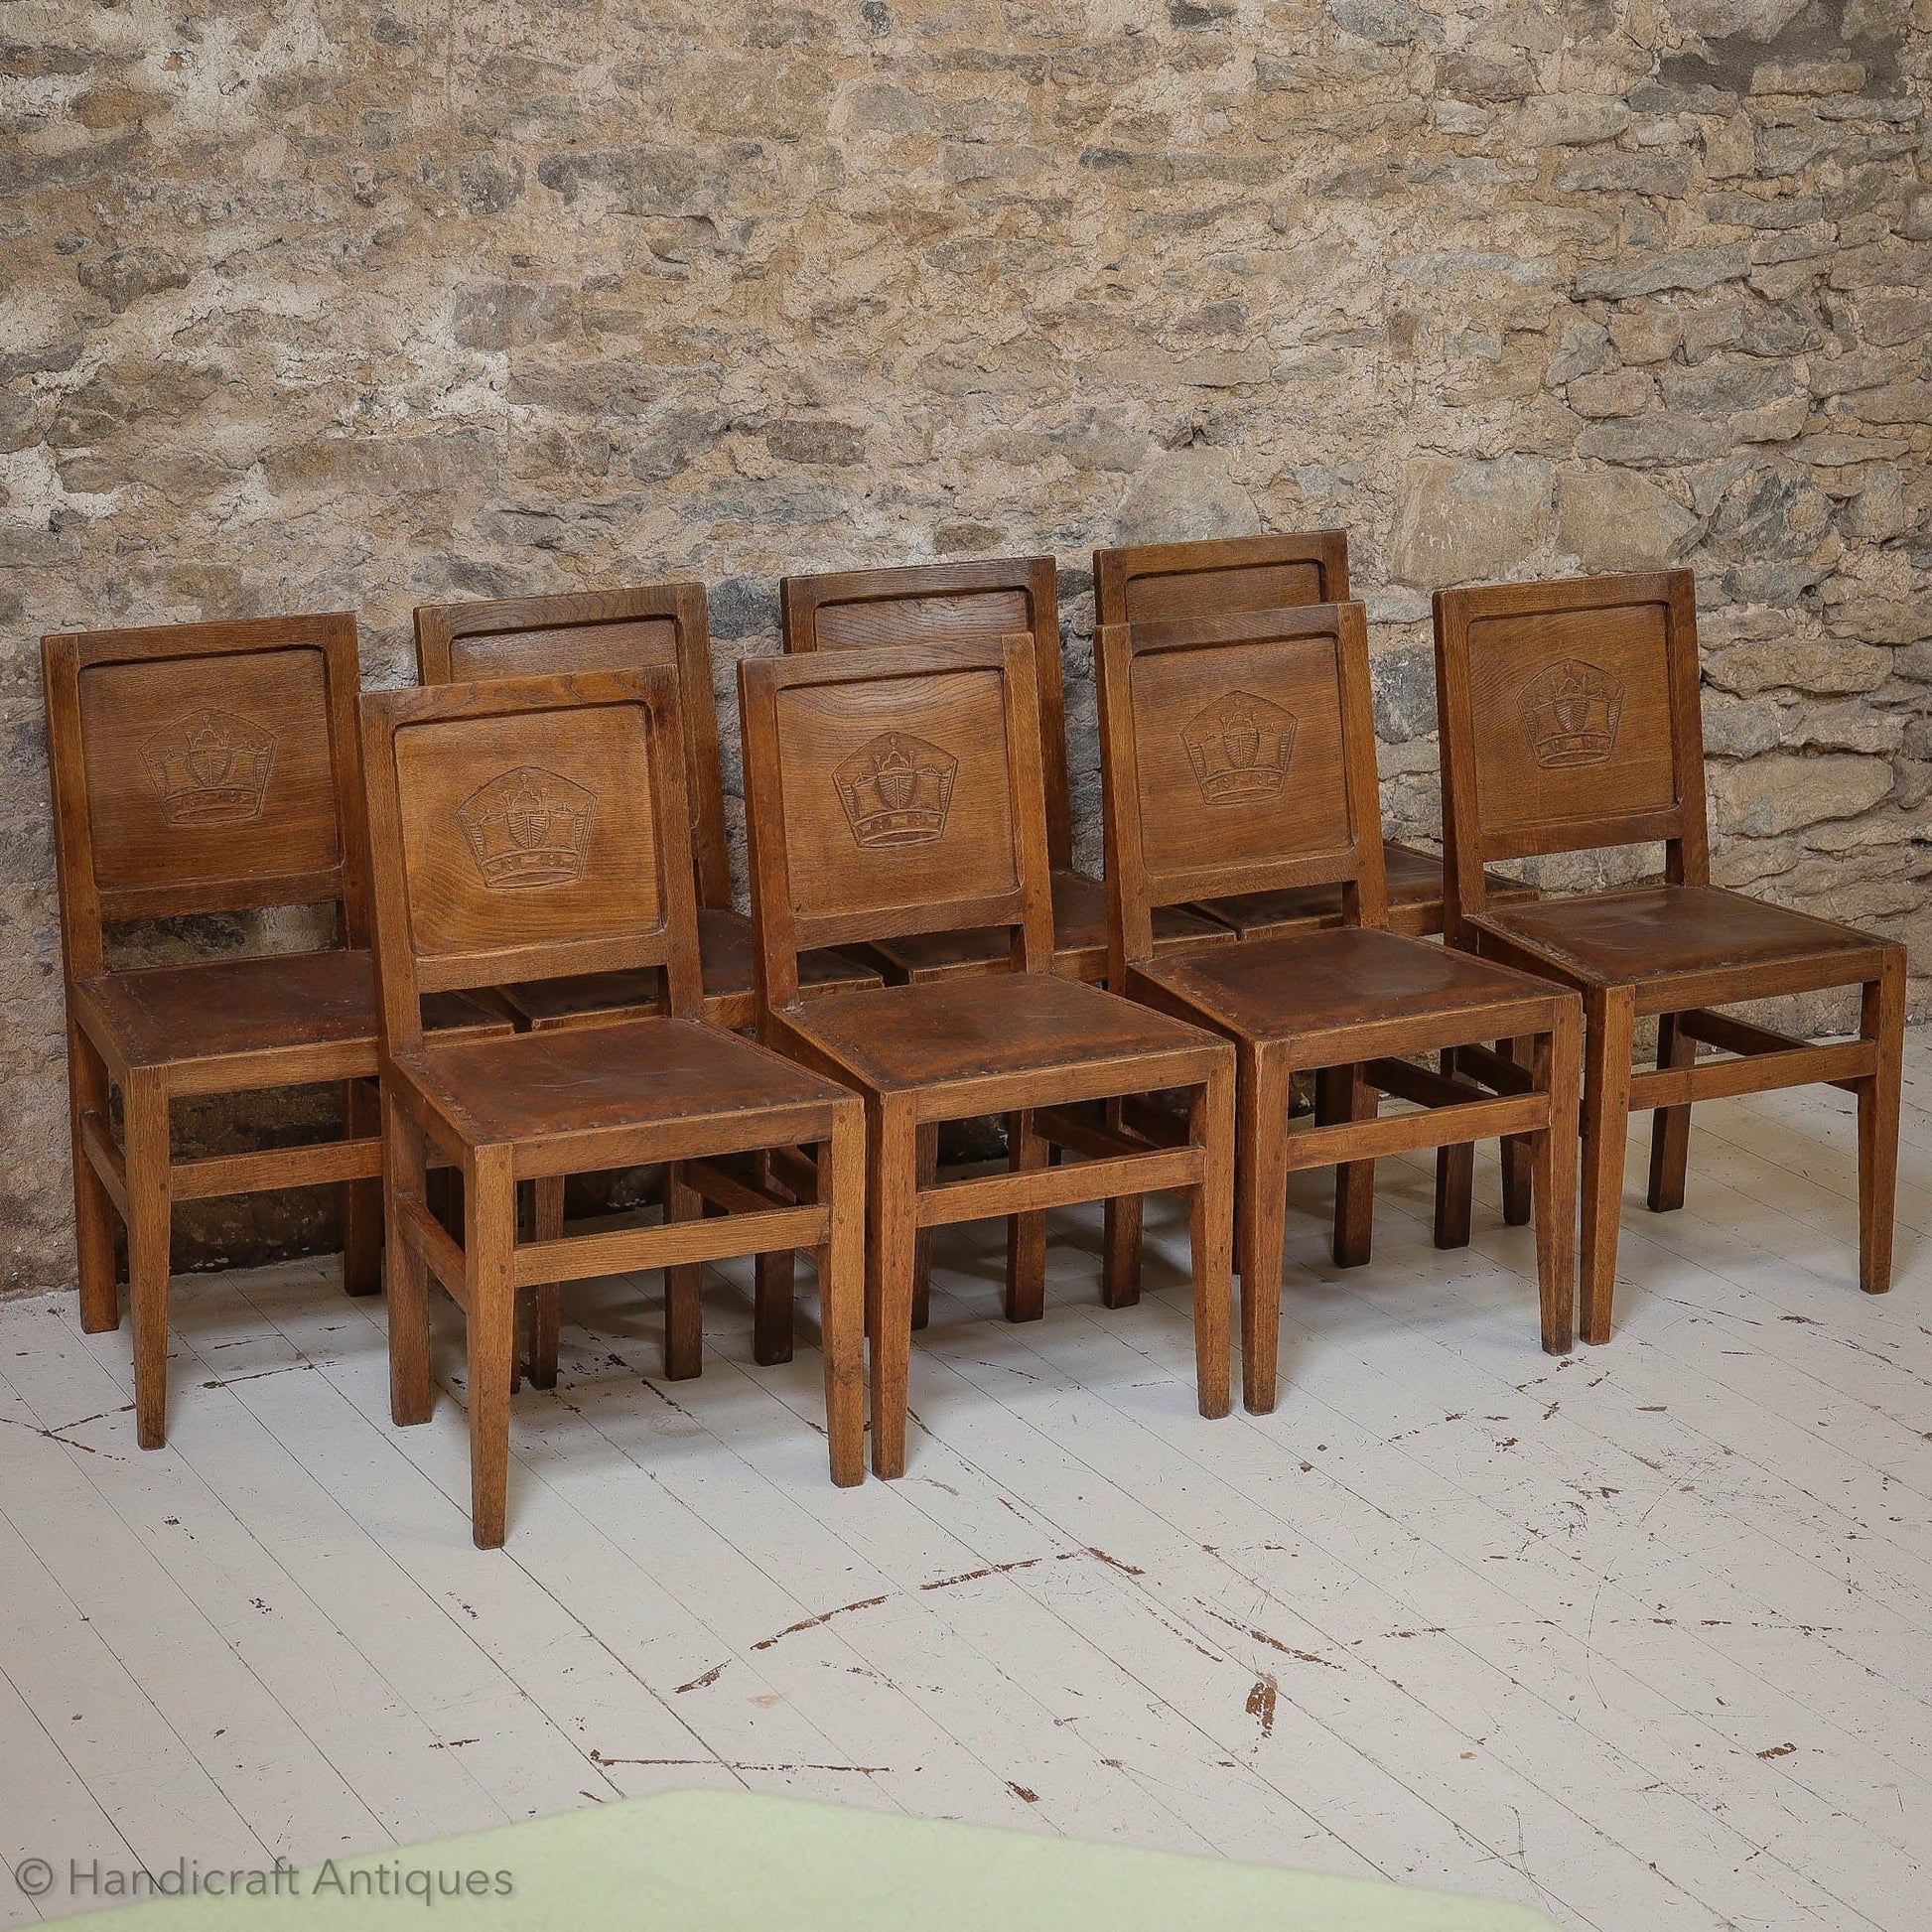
[
  {"x": 896, "y": 790},
  {"x": 1572, "y": 710},
  {"x": 211, "y": 767},
  {"x": 1240, "y": 748},
  {"x": 528, "y": 828}
]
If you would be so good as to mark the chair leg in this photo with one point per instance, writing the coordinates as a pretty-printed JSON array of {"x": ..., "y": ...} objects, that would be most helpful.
[
  {"x": 150, "y": 1221},
  {"x": 1883, "y": 1020},
  {"x": 547, "y": 1298},
  {"x": 1670, "y": 1127},
  {"x": 1342, "y": 1095},
  {"x": 774, "y": 1291},
  {"x": 1518, "y": 1156},
  {"x": 1025, "y": 1296},
  {"x": 1120, "y": 1240},
  {"x": 842, "y": 1294},
  {"x": 1261, "y": 1222},
  {"x": 1210, "y": 1232},
  {"x": 488, "y": 1261},
  {"x": 892, "y": 1219},
  {"x": 1553, "y": 1065},
  {"x": 411, "y": 1391},
  {"x": 1608, "y": 1026},
  {"x": 361, "y": 1199},
  {"x": 922, "y": 1266},
  {"x": 683, "y": 1287},
  {"x": 1455, "y": 1168},
  {"x": 94, "y": 1206}
]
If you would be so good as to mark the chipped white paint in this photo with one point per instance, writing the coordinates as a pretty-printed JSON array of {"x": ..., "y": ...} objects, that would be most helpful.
[{"x": 1640, "y": 1637}]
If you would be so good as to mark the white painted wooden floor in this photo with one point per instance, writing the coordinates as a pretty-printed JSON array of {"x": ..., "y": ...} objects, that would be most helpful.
[{"x": 1640, "y": 1636}]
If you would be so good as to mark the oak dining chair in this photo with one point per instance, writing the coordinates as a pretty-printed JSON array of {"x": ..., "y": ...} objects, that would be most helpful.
[
  {"x": 1238, "y": 757},
  {"x": 1571, "y": 722},
  {"x": 1152, "y": 582},
  {"x": 644, "y": 625},
  {"x": 1217, "y": 576},
  {"x": 988, "y": 597},
  {"x": 897, "y": 792},
  {"x": 531, "y": 828},
  {"x": 206, "y": 768}
]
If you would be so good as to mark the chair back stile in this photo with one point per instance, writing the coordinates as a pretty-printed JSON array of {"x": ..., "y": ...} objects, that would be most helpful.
[
  {"x": 895, "y": 791},
  {"x": 1239, "y": 756},
  {"x": 600, "y": 630},
  {"x": 1590, "y": 734},
  {"x": 527, "y": 827},
  {"x": 204, "y": 768}
]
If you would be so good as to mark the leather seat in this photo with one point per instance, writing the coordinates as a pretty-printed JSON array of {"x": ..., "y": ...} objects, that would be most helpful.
[
  {"x": 1415, "y": 887},
  {"x": 1616, "y": 939},
  {"x": 1305, "y": 984},
  {"x": 1079, "y": 937},
  {"x": 586, "y": 1080},
  {"x": 215, "y": 1010},
  {"x": 937, "y": 1035},
  {"x": 725, "y": 963}
]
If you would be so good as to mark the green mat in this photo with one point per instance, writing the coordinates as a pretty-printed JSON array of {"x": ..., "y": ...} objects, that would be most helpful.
[{"x": 742, "y": 1862}]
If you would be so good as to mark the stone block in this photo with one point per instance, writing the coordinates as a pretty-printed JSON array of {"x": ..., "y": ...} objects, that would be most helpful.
[
  {"x": 1779, "y": 792},
  {"x": 1461, "y": 522},
  {"x": 1798, "y": 664},
  {"x": 1610, "y": 520},
  {"x": 1182, "y": 497}
]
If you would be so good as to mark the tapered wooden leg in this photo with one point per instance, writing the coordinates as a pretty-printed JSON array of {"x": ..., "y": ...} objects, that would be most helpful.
[
  {"x": 683, "y": 1287},
  {"x": 1518, "y": 1157},
  {"x": 1119, "y": 1238},
  {"x": 489, "y": 1255},
  {"x": 922, "y": 1266},
  {"x": 1455, "y": 1168},
  {"x": 892, "y": 1221},
  {"x": 150, "y": 1216},
  {"x": 1670, "y": 1127},
  {"x": 1210, "y": 1233},
  {"x": 1610, "y": 1022},
  {"x": 842, "y": 1294},
  {"x": 1026, "y": 1297},
  {"x": 410, "y": 1390},
  {"x": 1883, "y": 1020},
  {"x": 1261, "y": 1220},
  {"x": 93, "y": 1207},
  {"x": 1554, "y": 1066},
  {"x": 774, "y": 1291},
  {"x": 1342, "y": 1095},
  {"x": 361, "y": 1199},
  {"x": 547, "y": 1298}
]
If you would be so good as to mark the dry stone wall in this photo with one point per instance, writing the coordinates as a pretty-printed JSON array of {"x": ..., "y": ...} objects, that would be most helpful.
[{"x": 319, "y": 304}]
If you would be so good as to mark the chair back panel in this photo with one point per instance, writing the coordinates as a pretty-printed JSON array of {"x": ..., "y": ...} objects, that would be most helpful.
[
  {"x": 1152, "y": 582},
  {"x": 531, "y": 828},
  {"x": 638, "y": 626},
  {"x": 930, "y": 603},
  {"x": 893, "y": 792},
  {"x": 205, "y": 767},
  {"x": 202, "y": 769},
  {"x": 1239, "y": 755},
  {"x": 1570, "y": 720}
]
